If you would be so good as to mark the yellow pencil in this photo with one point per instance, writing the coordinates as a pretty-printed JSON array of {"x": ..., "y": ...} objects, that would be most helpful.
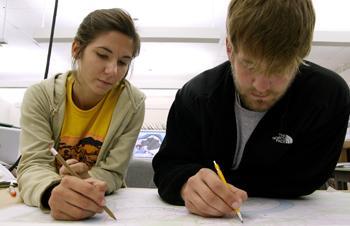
[
  {"x": 73, "y": 173},
  {"x": 222, "y": 178}
]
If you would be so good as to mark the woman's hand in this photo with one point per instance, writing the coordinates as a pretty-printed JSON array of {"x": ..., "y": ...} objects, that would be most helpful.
[
  {"x": 79, "y": 167},
  {"x": 77, "y": 199}
]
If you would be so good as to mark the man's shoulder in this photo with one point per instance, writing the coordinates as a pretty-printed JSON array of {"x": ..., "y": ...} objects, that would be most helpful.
[
  {"x": 320, "y": 84},
  {"x": 315, "y": 73},
  {"x": 208, "y": 81}
]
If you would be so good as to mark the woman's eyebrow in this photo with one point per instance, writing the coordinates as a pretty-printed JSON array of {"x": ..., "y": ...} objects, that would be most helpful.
[
  {"x": 110, "y": 51},
  {"x": 105, "y": 48}
]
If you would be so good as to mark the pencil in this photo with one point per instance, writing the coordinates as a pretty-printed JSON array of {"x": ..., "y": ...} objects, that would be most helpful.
[
  {"x": 12, "y": 189},
  {"x": 63, "y": 162},
  {"x": 222, "y": 178}
]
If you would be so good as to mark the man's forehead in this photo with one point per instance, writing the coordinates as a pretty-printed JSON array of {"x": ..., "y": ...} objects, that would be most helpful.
[{"x": 264, "y": 65}]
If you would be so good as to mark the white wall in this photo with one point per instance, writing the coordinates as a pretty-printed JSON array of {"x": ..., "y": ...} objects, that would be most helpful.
[
  {"x": 5, "y": 111},
  {"x": 346, "y": 75},
  {"x": 157, "y": 103},
  {"x": 157, "y": 109},
  {"x": 10, "y": 113},
  {"x": 10, "y": 102}
]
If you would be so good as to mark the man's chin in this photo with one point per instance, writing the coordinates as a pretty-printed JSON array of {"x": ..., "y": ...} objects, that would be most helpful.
[{"x": 259, "y": 106}]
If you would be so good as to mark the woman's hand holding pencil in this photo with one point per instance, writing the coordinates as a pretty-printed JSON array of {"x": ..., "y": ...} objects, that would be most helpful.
[
  {"x": 206, "y": 195},
  {"x": 80, "y": 168},
  {"x": 76, "y": 198}
]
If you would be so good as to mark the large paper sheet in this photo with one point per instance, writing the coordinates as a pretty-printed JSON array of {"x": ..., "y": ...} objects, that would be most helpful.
[{"x": 134, "y": 206}]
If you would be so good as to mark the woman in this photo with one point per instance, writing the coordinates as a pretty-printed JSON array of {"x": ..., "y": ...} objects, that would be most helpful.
[{"x": 91, "y": 114}]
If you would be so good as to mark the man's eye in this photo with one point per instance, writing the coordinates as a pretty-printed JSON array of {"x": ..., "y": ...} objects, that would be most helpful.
[
  {"x": 247, "y": 65},
  {"x": 250, "y": 67}
]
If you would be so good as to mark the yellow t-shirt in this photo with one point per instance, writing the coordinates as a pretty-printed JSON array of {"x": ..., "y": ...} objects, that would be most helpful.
[{"x": 83, "y": 131}]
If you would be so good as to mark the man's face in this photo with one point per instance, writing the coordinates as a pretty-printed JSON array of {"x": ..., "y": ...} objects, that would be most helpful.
[{"x": 258, "y": 90}]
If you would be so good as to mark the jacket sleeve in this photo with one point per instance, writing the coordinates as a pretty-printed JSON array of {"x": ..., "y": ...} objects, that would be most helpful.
[
  {"x": 176, "y": 160},
  {"x": 36, "y": 170},
  {"x": 111, "y": 167}
]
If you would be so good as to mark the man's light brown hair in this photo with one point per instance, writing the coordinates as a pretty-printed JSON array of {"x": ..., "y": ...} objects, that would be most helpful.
[{"x": 276, "y": 33}]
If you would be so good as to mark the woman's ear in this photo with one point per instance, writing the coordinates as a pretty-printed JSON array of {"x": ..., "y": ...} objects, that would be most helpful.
[{"x": 75, "y": 49}]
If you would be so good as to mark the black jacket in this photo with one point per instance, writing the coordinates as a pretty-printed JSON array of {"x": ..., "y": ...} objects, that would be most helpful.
[{"x": 201, "y": 127}]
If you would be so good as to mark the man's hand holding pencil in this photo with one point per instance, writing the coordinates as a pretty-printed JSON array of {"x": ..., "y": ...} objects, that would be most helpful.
[{"x": 206, "y": 195}]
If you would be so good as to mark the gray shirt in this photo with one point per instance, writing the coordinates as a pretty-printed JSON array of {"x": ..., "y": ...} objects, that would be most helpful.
[{"x": 246, "y": 122}]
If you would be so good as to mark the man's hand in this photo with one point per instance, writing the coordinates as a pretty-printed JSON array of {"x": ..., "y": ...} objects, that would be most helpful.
[
  {"x": 76, "y": 199},
  {"x": 206, "y": 195},
  {"x": 79, "y": 167}
]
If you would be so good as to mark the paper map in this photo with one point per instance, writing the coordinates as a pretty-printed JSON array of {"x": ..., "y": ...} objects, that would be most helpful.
[{"x": 134, "y": 206}]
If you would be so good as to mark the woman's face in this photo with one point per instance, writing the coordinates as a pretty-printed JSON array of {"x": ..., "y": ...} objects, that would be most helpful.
[{"x": 103, "y": 63}]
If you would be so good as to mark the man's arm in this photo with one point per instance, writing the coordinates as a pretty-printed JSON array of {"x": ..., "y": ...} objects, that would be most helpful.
[
  {"x": 183, "y": 170},
  {"x": 179, "y": 155},
  {"x": 323, "y": 145}
]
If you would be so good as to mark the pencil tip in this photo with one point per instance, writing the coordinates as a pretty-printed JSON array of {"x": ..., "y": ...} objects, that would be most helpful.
[
  {"x": 112, "y": 216},
  {"x": 240, "y": 217}
]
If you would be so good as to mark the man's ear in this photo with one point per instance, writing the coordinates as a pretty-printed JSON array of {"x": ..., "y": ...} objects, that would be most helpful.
[
  {"x": 75, "y": 49},
  {"x": 229, "y": 48}
]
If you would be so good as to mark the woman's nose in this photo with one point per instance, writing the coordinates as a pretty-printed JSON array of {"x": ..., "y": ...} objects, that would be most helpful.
[{"x": 111, "y": 67}]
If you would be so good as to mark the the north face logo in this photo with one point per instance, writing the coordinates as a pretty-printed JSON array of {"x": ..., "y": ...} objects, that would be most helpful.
[{"x": 283, "y": 139}]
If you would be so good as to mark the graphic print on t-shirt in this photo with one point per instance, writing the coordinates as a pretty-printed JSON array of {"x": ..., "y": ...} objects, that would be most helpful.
[{"x": 86, "y": 151}]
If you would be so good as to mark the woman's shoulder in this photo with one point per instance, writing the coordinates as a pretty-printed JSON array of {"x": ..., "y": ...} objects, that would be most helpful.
[
  {"x": 48, "y": 88},
  {"x": 137, "y": 97},
  {"x": 56, "y": 79}
]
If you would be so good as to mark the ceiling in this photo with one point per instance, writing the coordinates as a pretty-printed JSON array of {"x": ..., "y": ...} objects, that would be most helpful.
[{"x": 180, "y": 38}]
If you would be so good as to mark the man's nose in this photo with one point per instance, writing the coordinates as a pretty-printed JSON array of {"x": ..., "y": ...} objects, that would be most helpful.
[{"x": 262, "y": 83}]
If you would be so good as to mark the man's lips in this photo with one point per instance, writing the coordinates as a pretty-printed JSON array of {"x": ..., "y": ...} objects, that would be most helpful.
[{"x": 259, "y": 95}]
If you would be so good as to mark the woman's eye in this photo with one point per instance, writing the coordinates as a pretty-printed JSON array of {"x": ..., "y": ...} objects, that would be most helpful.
[
  {"x": 102, "y": 56},
  {"x": 122, "y": 63}
]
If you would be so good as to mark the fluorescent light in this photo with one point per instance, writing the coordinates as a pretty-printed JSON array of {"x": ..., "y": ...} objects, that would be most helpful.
[{"x": 332, "y": 15}]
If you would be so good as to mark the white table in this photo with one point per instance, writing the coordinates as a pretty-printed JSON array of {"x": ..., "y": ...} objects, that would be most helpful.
[{"x": 137, "y": 206}]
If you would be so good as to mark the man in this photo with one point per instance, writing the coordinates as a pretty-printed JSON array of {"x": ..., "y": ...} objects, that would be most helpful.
[{"x": 273, "y": 122}]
